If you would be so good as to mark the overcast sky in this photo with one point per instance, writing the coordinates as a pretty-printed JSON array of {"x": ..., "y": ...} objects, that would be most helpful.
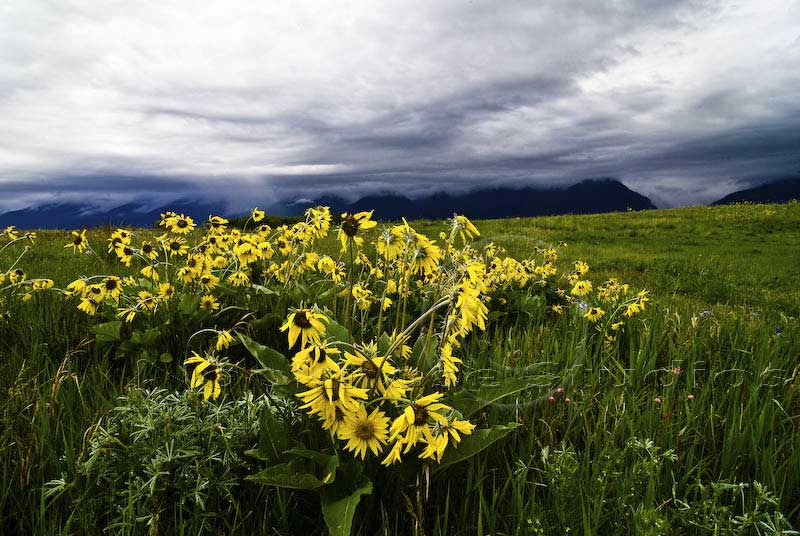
[{"x": 255, "y": 100}]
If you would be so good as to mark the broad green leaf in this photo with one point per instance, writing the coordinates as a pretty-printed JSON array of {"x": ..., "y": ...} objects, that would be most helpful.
[
  {"x": 108, "y": 331},
  {"x": 427, "y": 360},
  {"x": 473, "y": 444},
  {"x": 189, "y": 304},
  {"x": 286, "y": 475},
  {"x": 339, "y": 502},
  {"x": 264, "y": 290},
  {"x": 337, "y": 331},
  {"x": 384, "y": 342},
  {"x": 273, "y": 440},
  {"x": 471, "y": 402},
  {"x": 270, "y": 359},
  {"x": 327, "y": 464}
]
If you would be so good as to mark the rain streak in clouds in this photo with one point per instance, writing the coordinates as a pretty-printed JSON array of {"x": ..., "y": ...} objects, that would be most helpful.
[{"x": 682, "y": 101}]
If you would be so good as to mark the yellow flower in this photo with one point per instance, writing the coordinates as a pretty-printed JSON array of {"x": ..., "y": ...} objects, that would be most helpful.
[
  {"x": 329, "y": 394},
  {"x": 11, "y": 232},
  {"x": 442, "y": 434},
  {"x": 352, "y": 224},
  {"x": 362, "y": 431},
  {"x": 306, "y": 324},
  {"x": 465, "y": 228},
  {"x": 166, "y": 291},
  {"x": 150, "y": 272},
  {"x": 581, "y": 288},
  {"x": 112, "y": 286},
  {"x": 257, "y": 215},
  {"x": 181, "y": 224},
  {"x": 148, "y": 251},
  {"x": 177, "y": 246},
  {"x": 413, "y": 424},
  {"x": 370, "y": 372},
  {"x": 224, "y": 339},
  {"x": 594, "y": 314},
  {"x": 17, "y": 276},
  {"x": 209, "y": 303},
  {"x": 78, "y": 243},
  {"x": 217, "y": 223},
  {"x": 238, "y": 279},
  {"x": 126, "y": 313},
  {"x": 206, "y": 373},
  {"x": 310, "y": 362}
]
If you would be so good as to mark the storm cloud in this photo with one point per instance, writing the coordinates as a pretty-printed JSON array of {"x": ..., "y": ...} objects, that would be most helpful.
[{"x": 249, "y": 102}]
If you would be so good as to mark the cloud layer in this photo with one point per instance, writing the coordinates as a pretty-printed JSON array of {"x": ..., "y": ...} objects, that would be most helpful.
[{"x": 683, "y": 101}]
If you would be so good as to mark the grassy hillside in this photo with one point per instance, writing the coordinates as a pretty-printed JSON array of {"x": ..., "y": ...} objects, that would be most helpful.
[{"x": 683, "y": 419}]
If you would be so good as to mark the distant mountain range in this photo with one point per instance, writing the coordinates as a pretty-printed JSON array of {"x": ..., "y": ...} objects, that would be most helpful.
[
  {"x": 76, "y": 216},
  {"x": 781, "y": 191},
  {"x": 589, "y": 196},
  {"x": 586, "y": 197}
]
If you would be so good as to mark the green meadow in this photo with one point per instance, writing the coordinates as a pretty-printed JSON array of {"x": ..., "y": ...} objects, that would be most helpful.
[{"x": 689, "y": 423}]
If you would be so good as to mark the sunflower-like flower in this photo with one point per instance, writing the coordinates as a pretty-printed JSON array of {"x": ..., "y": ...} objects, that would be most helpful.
[
  {"x": 224, "y": 339},
  {"x": 206, "y": 373},
  {"x": 352, "y": 224},
  {"x": 310, "y": 362},
  {"x": 582, "y": 287},
  {"x": 442, "y": 434},
  {"x": 330, "y": 393},
  {"x": 78, "y": 242},
  {"x": 257, "y": 215},
  {"x": 305, "y": 324},
  {"x": 370, "y": 372},
  {"x": 209, "y": 303},
  {"x": 593, "y": 314},
  {"x": 464, "y": 227},
  {"x": 362, "y": 431},
  {"x": 413, "y": 425},
  {"x": 180, "y": 224},
  {"x": 217, "y": 223},
  {"x": 112, "y": 286}
]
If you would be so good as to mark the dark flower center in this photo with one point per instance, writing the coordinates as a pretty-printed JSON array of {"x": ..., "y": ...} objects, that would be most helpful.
[
  {"x": 147, "y": 249},
  {"x": 365, "y": 431},
  {"x": 111, "y": 284},
  {"x": 78, "y": 240},
  {"x": 127, "y": 251},
  {"x": 321, "y": 355},
  {"x": 369, "y": 369},
  {"x": 420, "y": 415},
  {"x": 350, "y": 226},
  {"x": 183, "y": 224},
  {"x": 301, "y": 320},
  {"x": 210, "y": 373},
  {"x": 175, "y": 246}
]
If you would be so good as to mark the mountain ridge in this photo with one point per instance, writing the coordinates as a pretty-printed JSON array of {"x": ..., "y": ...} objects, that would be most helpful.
[{"x": 586, "y": 197}]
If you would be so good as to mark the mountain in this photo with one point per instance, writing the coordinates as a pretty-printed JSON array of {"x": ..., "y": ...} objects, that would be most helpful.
[
  {"x": 590, "y": 196},
  {"x": 586, "y": 197},
  {"x": 781, "y": 191},
  {"x": 76, "y": 216}
]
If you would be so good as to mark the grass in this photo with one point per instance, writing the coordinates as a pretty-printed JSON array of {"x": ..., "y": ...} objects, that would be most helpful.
[{"x": 690, "y": 425}]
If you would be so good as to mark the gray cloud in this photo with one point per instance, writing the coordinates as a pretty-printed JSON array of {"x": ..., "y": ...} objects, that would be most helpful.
[{"x": 684, "y": 101}]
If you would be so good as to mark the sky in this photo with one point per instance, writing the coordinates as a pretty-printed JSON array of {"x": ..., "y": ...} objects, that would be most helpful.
[{"x": 244, "y": 101}]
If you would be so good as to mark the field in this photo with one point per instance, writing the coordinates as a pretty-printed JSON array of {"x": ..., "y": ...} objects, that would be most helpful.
[{"x": 680, "y": 415}]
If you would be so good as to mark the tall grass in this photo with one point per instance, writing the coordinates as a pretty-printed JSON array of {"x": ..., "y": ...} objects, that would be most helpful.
[{"x": 690, "y": 425}]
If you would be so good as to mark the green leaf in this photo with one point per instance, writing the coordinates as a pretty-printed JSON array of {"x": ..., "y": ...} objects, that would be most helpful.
[
  {"x": 273, "y": 440},
  {"x": 471, "y": 402},
  {"x": 108, "y": 331},
  {"x": 271, "y": 360},
  {"x": 286, "y": 475},
  {"x": 337, "y": 331},
  {"x": 339, "y": 501},
  {"x": 189, "y": 304},
  {"x": 327, "y": 464},
  {"x": 429, "y": 359},
  {"x": 384, "y": 342},
  {"x": 264, "y": 290},
  {"x": 472, "y": 444}
]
